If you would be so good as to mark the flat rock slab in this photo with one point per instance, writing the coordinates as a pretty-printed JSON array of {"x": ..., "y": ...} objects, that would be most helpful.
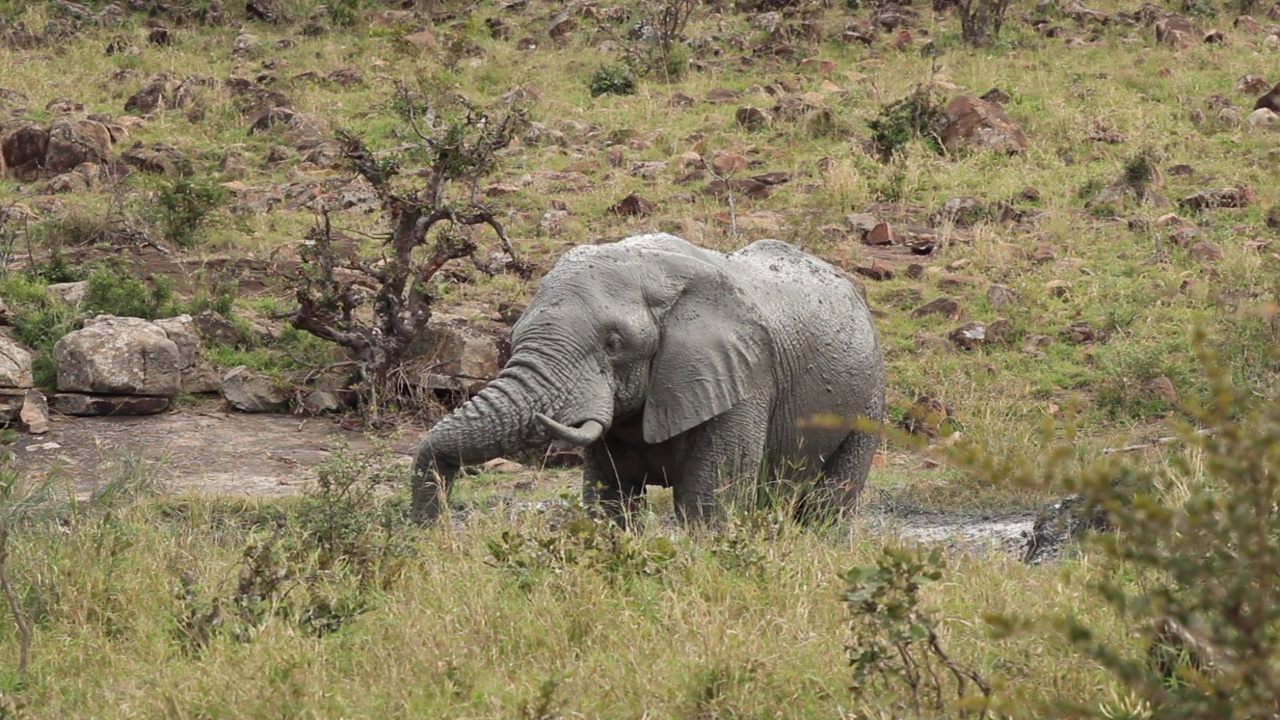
[
  {"x": 194, "y": 450},
  {"x": 107, "y": 405}
]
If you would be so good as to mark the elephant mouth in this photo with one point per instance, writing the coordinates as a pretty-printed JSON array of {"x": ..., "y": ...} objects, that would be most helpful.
[{"x": 584, "y": 434}]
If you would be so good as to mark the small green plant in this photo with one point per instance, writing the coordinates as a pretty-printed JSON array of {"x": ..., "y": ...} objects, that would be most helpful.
[
  {"x": 918, "y": 115},
  {"x": 895, "y": 651},
  {"x": 579, "y": 539},
  {"x": 55, "y": 269},
  {"x": 114, "y": 289},
  {"x": 612, "y": 80},
  {"x": 184, "y": 206}
]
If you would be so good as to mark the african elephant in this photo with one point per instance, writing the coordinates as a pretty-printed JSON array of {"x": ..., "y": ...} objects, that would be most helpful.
[{"x": 678, "y": 366}]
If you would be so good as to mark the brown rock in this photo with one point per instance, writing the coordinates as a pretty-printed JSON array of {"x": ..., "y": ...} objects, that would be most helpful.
[
  {"x": 1205, "y": 251},
  {"x": 35, "y": 413},
  {"x": 860, "y": 223},
  {"x": 975, "y": 123},
  {"x": 1239, "y": 196},
  {"x": 1044, "y": 252},
  {"x": 1214, "y": 37},
  {"x": 75, "y": 142},
  {"x": 721, "y": 95},
  {"x": 915, "y": 271},
  {"x": 729, "y": 163},
  {"x": 107, "y": 405},
  {"x": 561, "y": 25},
  {"x": 951, "y": 281},
  {"x": 880, "y": 234},
  {"x": 1058, "y": 288},
  {"x": 1000, "y": 296},
  {"x": 681, "y": 100},
  {"x": 751, "y": 117},
  {"x": 24, "y": 147},
  {"x": 874, "y": 271},
  {"x": 925, "y": 416},
  {"x": 969, "y": 335},
  {"x": 1081, "y": 333},
  {"x": 1163, "y": 387},
  {"x": 948, "y": 307},
  {"x": 1246, "y": 24},
  {"x": 632, "y": 206},
  {"x": 1177, "y": 32}
]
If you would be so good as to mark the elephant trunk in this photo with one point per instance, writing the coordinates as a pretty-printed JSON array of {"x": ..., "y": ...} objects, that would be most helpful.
[{"x": 501, "y": 419}]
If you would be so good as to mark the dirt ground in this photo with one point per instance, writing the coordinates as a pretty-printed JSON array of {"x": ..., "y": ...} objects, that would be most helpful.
[{"x": 260, "y": 455}]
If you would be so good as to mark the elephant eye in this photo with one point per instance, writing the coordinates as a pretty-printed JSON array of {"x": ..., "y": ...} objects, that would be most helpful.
[{"x": 613, "y": 343}]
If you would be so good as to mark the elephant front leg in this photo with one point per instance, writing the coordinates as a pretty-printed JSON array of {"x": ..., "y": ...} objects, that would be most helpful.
[
  {"x": 724, "y": 460},
  {"x": 613, "y": 481}
]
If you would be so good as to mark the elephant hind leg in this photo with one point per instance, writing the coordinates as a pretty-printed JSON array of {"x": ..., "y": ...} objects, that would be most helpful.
[{"x": 835, "y": 493}]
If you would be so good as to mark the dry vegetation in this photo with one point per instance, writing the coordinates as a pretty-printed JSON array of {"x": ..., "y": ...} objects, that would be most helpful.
[{"x": 145, "y": 605}]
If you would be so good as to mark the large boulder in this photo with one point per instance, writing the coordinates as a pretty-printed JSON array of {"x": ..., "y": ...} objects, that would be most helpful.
[
  {"x": 72, "y": 142},
  {"x": 118, "y": 356},
  {"x": 974, "y": 123},
  {"x": 182, "y": 331},
  {"x": 457, "y": 354},
  {"x": 15, "y": 365}
]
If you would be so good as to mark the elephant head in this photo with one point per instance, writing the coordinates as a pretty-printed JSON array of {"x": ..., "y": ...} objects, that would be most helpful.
[{"x": 651, "y": 331}]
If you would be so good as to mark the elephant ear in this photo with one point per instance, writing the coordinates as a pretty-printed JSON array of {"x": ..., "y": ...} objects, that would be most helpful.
[{"x": 712, "y": 354}]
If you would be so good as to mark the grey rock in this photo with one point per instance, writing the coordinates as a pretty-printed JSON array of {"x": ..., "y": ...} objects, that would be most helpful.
[
  {"x": 11, "y": 402},
  {"x": 72, "y": 142},
  {"x": 103, "y": 405},
  {"x": 969, "y": 336},
  {"x": 1000, "y": 296},
  {"x": 15, "y": 365},
  {"x": 71, "y": 293},
  {"x": 248, "y": 391},
  {"x": 459, "y": 355},
  {"x": 118, "y": 356},
  {"x": 201, "y": 378},
  {"x": 217, "y": 328},
  {"x": 318, "y": 402},
  {"x": 35, "y": 412},
  {"x": 182, "y": 331}
]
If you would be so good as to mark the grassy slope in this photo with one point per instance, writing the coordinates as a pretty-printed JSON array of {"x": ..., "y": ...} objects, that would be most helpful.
[{"x": 661, "y": 644}]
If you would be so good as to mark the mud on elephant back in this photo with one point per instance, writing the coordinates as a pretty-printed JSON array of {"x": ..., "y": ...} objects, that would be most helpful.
[{"x": 682, "y": 367}]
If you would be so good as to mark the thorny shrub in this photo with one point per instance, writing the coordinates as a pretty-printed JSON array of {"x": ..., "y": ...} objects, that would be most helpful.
[
  {"x": 895, "y": 650},
  {"x": 183, "y": 207},
  {"x": 918, "y": 115},
  {"x": 319, "y": 567},
  {"x": 578, "y": 538}
]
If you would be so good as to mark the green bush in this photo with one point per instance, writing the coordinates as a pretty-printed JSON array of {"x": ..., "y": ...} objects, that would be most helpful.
[
  {"x": 612, "y": 80},
  {"x": 114, "y": 289},
  {"x": 918, "y": 115},
  {"x": 185, "y": 206}
]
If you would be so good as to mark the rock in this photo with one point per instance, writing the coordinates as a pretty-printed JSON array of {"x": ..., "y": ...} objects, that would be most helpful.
[
  {"x": 107, "y": 405},
  {"x": 11, "y": 402},
  {"x": 1251, "y": 85},
  {"x": 268, "y": 11},
  {"x": 860, "y": 223},
  {"x": 1162, "y": 387},
  {"x": 1214, "y": 37},
  {"x": 1060, "y": 522},
  {"x": 35, "y": 413},
  {"x": 1000, "y": 296},
  {"x": 949, "y": 307},
  {"x": 953, "y": 281},
  {"x": 561, "y": 25},
  {"x": 1177, "y": 32},
  {"x": 1261, "y": 118},
  {"x": 201, "y": 379},
  {"x": 1058, "y": 288},
  {"x": 875, "y": 271},
  {"x": 75, "y": 142},
  {"x": 925, "y": 416},
  {"x": 24, "y": 147},
  {"x": 182, "y": 331},
  {"x": 248, "y": 391},
  {"x": 975, "y": 123},
  {"x": 118, "y": 356},
  {"x": 15, "y": 364},
  {"x": 752, "y": 118},
  {"x": 961, "y": 211},
  {"x": 318, "y": 402},
  {"x": 460, "y": 356},
  {"x": 633, "y": 206},
  {"x": 1205, "y": 251},
  {"x": 968, "y": 336},
  {"x": 729, "y": 163},
  {"x": 423, "y": 39},
  {"x": 1270, "y": 101},
  {"x": 1229, "y": 197},
  {"x": 880, "y": 234},
  {"x": 503, "y": 466},
  {"x": 217, "y": 328},
  {"x": 1081, "y": 333}
]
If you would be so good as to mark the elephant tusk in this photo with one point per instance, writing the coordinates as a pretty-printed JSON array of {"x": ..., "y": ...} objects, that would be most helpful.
[{"x": 589, "y": 432}]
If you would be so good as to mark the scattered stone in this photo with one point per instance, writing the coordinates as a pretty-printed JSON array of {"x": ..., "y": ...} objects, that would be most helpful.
[
  {"x": 721, "y": 96},
  {"x": 503, "y": 466},
  {"x": 1000, "y": 296},
  {"x": 874, "y": 271},
  {"x": 217, "y": 327},
  {"x": 182, "y": 331},
  {"x": 969, "y": 336},
  {"x": 1177, "y": 32},
  {"x": 996, "y": 96},
  {"x": 752, "y": 118},
  {"x": 1059, "y": 523},
  {"x": 962, "y": 211},
  {"x": 268, "y": 11},
  {"x": 1261, "y": 118},
  {"x": 423, "y": 39},
  {"x": 1205, "y": 251},
  {"x": 160, "y": 36},
  {"x": 24, "y": 148},
  {"x": 248, "y": 391},
  {"x": 74, "y": 142},
  {"x": 925, "y": 416},
  {"x": 15, "y": 365},
  {"x": 1251, "y": 85},
  {"x": 1044, "y": 252},
  {"x": 952, "y": 281},
  {"x": 117, "y": 356},
  {"x": 633, "y": 206},
  {"x": 561, "y": 25},
  {"x": 1058, "y": 288},
  {"x": 1081, "y": 333},
  {"x": 945, "y": 306},
  {"x": 35, "y": 412},
  {"x": 201, "y": 379},
  {"x": 1239, "y": 196},
  {"x": 107, "y": 405},
  {"x": 457, "y": 354},
  {"x": 880, "y": 234},
  {"x": 975, "y": 123},
  {"x": 1162, "y": 387},
  {"x": 11, "y": 402},
  {"x": 1215, "y": 37}
]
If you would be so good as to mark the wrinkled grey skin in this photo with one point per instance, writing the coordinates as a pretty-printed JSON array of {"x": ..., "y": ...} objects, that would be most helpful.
[{"x": 683, "y": 367}]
